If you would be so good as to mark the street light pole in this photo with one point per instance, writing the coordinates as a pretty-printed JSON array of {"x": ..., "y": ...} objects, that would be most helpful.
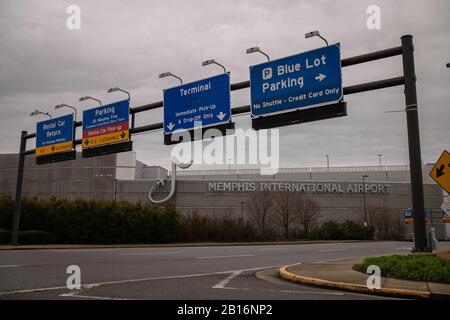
[
  {"x": 242, "y": 209},
  {"x": 364, "y": 193},
  {"x": 379, "y": 158},
  {"x": 328, "y": 162}
]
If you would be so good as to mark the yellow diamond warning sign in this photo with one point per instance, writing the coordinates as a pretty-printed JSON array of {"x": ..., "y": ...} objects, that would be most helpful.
[{"x": 441, "y": 171}]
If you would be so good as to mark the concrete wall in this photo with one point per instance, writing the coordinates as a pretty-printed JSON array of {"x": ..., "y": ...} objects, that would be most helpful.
[{"x": 122, "y": 177}]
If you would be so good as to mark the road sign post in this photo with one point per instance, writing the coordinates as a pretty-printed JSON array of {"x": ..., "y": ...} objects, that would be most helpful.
[
  {"x": 18, "y": 195},
  {"x": 415, "y": 160},
  {"x": 197, "y": 105}
]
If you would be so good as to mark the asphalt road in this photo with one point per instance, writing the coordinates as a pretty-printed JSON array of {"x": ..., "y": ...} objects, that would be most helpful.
[{"x": 214, "y": 272}]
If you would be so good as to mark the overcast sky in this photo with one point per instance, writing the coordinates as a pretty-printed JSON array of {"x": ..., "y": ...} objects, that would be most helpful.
[{"x": 128, "y": 43}]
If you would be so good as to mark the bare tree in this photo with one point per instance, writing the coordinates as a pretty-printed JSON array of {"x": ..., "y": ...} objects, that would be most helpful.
[
  {"x": 307, "y": 212},
  {"x": 388, "y": 224},
  {"x": 284, "y": 211},
  {"x": 259, "y": 208}
]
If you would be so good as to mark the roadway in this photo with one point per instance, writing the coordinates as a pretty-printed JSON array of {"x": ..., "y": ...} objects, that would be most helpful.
[{"x": 212, "y": 272}]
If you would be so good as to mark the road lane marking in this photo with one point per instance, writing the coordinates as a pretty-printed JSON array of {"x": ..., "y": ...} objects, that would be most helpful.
[
  {"x": 404, "y": 248},
  {"x": 277, "y": 249},
  {"x": 98, "y": 284},
  {"x": 332, "y": 250},
  {"x": 309, "y": 292},
  {"x": 75, "y": 295},
  {"x": 231, "y": 256},
  {"x": 224, "y": 282},
  {"x": 336, "y": 260},
  {"x": 10, "y": 266},
  {"x": 149, "y": 253}
]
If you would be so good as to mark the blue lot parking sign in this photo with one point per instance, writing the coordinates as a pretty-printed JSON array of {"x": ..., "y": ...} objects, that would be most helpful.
[
  {"x": 296, "y": 82},
  {"x": 206, "y": 100}
]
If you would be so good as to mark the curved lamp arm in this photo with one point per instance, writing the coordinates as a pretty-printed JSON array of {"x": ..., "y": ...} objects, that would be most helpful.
[{"x": 162, "y": 182}]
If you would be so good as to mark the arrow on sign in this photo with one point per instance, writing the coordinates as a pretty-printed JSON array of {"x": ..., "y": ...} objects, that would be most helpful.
[
  {"x": 170, "y": 126},
  {"x": 320, "y": 77},
  {"x": 440, "y": 171},
  {"x": 53, "y": 148},
  {"x": 221, "y": 115},
  {"x": 123, "y": 135},
  {"x": 86, "y": 142}
]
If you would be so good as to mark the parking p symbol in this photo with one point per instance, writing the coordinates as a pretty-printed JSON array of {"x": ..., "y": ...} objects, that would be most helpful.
[{"x": 267, "y": 73}]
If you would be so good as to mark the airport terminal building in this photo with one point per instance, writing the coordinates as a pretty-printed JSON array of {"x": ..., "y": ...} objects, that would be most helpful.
[{"x": 339, "y": 191}]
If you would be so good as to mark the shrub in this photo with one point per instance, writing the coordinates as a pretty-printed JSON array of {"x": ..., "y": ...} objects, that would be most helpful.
[
  {"x": 348, "y": 230},
  {"x": 417, "y": 267},
  {"x": 93, "y": 221},
  {"x": 5, "y": 236},
  {"x": 35, "y": 237}
]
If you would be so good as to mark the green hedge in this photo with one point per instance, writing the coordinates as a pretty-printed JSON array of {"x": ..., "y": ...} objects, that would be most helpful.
[
  {"x": 94, "y": 221},
  {"x": 112, "y": 222},
  {"x": 28, "y": 237},
  {"x": 417, "y": 267},
  {"x": 348, "y": 230},
  {"x": 5, "y": 236}
]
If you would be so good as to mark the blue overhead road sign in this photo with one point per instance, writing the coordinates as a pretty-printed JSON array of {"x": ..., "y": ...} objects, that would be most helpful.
[
  {"x": 301, "y": 81},
  {"x": 54, "y": 135},
  {"x": 206, "y": 100}
]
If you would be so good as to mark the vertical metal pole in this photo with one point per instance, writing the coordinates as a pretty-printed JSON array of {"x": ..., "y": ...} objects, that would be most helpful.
[
  {"x": 133, "y": 116},
  {"x": 415, "y": 161},
  {"x": 18, "y": 195}
]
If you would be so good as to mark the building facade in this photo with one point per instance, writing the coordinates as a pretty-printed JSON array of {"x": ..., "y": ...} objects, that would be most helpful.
[{"x": 340, "y": 192}]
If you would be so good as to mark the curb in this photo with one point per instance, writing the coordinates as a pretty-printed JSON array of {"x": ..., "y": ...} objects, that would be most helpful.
[{"x": 391, "y": 292}]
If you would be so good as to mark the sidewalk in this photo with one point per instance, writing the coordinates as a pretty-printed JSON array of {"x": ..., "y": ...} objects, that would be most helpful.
[{"x": 339, "y": 275}]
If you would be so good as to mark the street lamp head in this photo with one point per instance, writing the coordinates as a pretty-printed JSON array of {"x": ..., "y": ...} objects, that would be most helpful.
[
  {"x": 257, "y": 49},
  {"x": 35, "y": 112},
  {"x": 208, "y": 62},
  {"x": 113, "y": 89},
  {"x": 253, "y": 49},
  {"x": 365, "y": 176},
  {"x": 448, "y": 65},
  {"x": 165, "y": 74},
  {"x": 89, "y": 98},
  {"x": 315, "y": 34},
  {"x": 312, "y": 34}
]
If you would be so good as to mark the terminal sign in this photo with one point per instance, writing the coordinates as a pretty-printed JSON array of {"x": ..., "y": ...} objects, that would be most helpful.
[
  {"x": 54, "y": 135},
  {"x": 203, "y": 103},
  {"x": 106, "y": 124},
  {"x": 305, "y": 80}
]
